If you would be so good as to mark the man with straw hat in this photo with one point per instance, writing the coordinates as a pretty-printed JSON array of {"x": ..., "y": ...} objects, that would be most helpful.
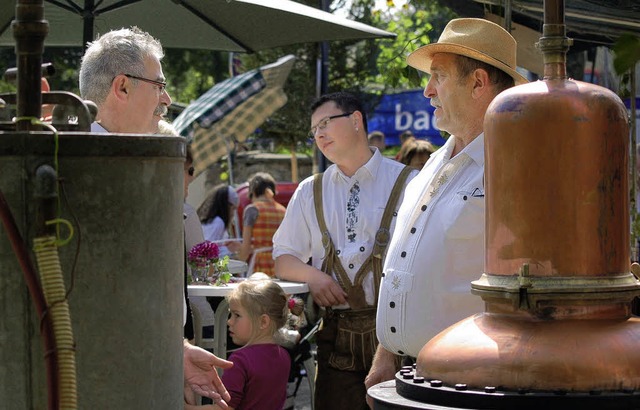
[{"x": 437, "y": 247}]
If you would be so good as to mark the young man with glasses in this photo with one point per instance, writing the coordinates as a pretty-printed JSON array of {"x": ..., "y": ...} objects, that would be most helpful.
[
  {"x": 121, "y": 73},
  {"x": 349, "y": 203}
]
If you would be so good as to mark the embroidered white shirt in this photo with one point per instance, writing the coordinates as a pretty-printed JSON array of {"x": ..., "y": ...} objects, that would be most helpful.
[
  {"x": 436, "y": 251},
  {"x": 299, "y": 234}
]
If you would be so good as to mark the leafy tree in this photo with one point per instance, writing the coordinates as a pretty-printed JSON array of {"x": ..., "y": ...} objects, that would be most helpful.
[{"x": 416, "y": 23}]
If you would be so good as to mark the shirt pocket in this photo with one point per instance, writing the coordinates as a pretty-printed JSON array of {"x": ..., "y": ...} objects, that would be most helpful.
[{"x": 465, "y": 216}]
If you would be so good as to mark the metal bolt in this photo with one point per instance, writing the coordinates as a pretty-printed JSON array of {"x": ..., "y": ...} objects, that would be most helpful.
[
  {"x": 489, "y": 389},
  {"x": 418, "y": 379},
  {"x": 461, "y": 386},
  {"x": 436, "y": 383}
]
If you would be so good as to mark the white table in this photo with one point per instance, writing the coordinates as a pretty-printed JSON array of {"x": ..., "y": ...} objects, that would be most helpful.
[{"x": 221, "y": 314}]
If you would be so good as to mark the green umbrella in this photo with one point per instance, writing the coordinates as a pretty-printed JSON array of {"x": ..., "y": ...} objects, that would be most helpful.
[
  {"x": 232, "y": 110},
  {"x": 227, "y": 25}
]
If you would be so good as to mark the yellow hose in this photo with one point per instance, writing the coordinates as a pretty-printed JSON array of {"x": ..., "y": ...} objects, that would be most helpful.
[{"x": 54, "y": 291}]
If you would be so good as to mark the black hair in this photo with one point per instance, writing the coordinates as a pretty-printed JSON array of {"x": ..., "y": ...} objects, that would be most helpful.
[
  {"x": 216, "y": 204},
  {"x": 259, "y": 183},
  {"x": 346, "y": 102}
]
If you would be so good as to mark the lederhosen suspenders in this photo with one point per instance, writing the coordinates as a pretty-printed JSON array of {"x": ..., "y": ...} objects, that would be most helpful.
[{"x": 331, "y": 262}]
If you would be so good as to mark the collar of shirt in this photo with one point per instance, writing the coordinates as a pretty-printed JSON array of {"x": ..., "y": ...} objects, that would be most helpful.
[
  {"x": 96, "y": 127},
  {"x": 475, "y": 150},
  {"x": 367, "y": 171}
]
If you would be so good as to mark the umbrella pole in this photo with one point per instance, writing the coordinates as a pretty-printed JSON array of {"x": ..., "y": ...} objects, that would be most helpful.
[
  {"x": 229, "y": 161},
  {"x": 236, "y": 224},
  {"x": 87, "y": 21}
]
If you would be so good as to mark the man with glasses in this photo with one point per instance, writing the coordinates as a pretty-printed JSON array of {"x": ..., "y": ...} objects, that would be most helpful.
[
  {"x": 121, "y": 73},
  {"x": 345, "y": 240}
]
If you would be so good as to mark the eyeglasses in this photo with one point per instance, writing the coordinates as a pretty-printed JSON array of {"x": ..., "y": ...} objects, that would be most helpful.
[
  {"x": 191, "y": 171},
  {"x": 162, "y": 85},
  {"x": 322, "y": 124}
]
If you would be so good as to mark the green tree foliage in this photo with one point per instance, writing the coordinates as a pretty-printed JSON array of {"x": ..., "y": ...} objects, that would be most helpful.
[
  {"x": 627, "y": 56},
  {"x": 416, "y": 23}
]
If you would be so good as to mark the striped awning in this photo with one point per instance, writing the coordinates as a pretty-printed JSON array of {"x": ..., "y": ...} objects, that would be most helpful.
[
  {"x": 221, "y": 99},
  {"x": 211, "y": 140}
]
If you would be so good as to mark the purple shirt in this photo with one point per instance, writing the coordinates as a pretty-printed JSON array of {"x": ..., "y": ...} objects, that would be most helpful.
[{"x": 258, "y": 378}]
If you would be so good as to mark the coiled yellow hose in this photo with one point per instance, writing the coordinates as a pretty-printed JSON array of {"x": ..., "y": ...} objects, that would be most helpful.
[{"x": 46, "y": 252}]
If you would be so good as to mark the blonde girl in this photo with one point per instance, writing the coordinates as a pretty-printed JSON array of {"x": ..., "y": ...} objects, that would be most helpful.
[{"x": 260, "y": 372}]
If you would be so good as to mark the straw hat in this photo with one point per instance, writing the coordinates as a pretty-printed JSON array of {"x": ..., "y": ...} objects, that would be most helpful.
[{"x": 475, "y": 38}]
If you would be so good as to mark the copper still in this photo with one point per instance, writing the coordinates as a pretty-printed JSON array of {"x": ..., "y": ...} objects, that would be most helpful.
[{"x": 558, "y": 329}]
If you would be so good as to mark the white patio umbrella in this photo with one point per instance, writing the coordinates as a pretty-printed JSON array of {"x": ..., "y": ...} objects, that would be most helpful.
[
  {"x": 231, "y": 110},
  {"x": 226, "y": 25}
]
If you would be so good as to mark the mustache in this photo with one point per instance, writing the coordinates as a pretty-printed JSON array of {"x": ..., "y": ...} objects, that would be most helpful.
[{"x": 161, "y": 110}]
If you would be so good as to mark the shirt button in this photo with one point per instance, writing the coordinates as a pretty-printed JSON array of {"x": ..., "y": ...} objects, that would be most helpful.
[
  {"x": 338, "y": 252},
  {"x": 351, "y": 266},
  {"x": 393, "y": 329},
  {"x": 413, "y": 230},
  {"x": 362, "y": 249},
  {"x": 403, "y": 254},
  {"x": 392, "y": 304},
  {"x": 424, "y": 208},
  {"x": 383, "y": 275},
  {"x": 395, "y": 214},
  {"x": 400, "y": 352}
]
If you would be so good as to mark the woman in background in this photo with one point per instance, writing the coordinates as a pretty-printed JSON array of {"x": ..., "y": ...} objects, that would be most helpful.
[
  {"x": 260, "y": 221},
  {"x": 416, "y": 153},
  {"x": 216, "y": 215}
]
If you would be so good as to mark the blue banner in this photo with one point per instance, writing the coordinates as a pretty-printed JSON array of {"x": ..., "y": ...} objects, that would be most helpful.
[{"x": 408, "y": 110}]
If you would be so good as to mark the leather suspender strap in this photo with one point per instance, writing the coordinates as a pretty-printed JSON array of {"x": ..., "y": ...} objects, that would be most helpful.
[
  {"x": 329, "y": 250},
  {"x": 384, "y": 235},
  {"x": 332, "y": 264}
]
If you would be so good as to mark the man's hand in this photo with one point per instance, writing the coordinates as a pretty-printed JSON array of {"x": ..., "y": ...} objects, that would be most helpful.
[
  {"x": 201, "y": 377},
  {"x": 383, "y": 368},
  {"x": 325, "y": 290}
]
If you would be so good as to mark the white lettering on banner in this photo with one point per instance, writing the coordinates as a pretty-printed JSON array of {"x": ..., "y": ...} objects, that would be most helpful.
[
  {"x": 400, "y": 126},
  {"x": 419, "y": 121}
]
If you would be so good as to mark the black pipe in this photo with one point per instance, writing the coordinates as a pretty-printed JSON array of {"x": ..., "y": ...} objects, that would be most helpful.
[{"x": 29, "y": 29}]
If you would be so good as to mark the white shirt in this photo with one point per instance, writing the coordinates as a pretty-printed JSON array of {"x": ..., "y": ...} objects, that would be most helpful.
[
  {"x": 216, "y": 231},
  {"x": 193, "y": 236},
  {"x": 97, "y": 128},
  {"x": 436, "y": 251},
  {"x": 352, "y": 232}
]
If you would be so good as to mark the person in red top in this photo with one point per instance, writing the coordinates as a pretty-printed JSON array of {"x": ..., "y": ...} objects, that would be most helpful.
[{"x": 261, "y": 219}]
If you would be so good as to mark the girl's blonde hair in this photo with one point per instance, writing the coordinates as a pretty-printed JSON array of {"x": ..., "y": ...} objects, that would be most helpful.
[{"x": 261, "y": 297}]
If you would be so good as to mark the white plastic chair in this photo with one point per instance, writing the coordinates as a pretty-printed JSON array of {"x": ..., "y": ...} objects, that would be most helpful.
[{"x": 252, "y": 260}]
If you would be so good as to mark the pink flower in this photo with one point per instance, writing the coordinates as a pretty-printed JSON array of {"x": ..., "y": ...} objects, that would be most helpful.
[{"x": 203, "y": 253}]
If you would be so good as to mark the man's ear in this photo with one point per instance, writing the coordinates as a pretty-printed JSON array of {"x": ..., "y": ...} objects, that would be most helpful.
[
  {"x": 357, "y": 119},
  {"x": 120, "y": 87},
  {"x": 480, "y": 80}
]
